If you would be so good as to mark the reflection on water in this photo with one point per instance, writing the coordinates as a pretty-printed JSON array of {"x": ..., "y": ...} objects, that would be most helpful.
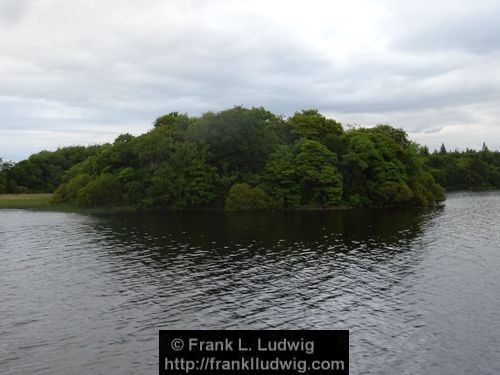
[{"x": 417, "y": 289}]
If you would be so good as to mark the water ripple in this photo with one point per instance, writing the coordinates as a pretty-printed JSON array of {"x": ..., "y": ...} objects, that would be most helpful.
[{"x": 417, "y": 289}]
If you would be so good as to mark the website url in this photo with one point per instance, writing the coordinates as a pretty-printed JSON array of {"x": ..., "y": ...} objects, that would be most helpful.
[{"x": 252, "y": 364}]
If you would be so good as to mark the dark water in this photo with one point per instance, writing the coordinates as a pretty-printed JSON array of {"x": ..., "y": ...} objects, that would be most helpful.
[{"x": 419, "y": 290}]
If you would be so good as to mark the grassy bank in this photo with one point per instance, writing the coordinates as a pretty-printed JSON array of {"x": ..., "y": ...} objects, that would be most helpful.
[
  {"x": 42, "y": 202},
  {"x": 24, "y": 200}
]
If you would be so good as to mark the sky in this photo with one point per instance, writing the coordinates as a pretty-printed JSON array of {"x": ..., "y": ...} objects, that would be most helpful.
[{"x": 85, "y": 71}]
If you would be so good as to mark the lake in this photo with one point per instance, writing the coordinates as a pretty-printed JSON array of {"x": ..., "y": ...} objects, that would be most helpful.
[{"x": 418, "y": 289}]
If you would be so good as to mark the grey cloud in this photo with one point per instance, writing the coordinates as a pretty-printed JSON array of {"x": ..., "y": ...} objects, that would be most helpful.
[
  {"x": 12, "y": 12},
  {"x": 474, "y": 28},
  {"x": 121, "y": 64},
  {"x": 433, "y": 130}
]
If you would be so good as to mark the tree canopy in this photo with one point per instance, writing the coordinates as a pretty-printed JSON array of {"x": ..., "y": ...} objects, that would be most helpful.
[
  {"x": 467, "y": 169},
  {"x": 241, "y": 159}
]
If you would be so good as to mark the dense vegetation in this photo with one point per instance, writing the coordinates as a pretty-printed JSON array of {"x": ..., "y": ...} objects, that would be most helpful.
[
  {"x": 42, "y": 172},
  {"x": 245, "y": 159},
  {"x": 469, "y": 169}
]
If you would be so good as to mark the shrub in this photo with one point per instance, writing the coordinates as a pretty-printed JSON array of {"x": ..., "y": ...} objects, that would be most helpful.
[
  {"x": 69, "y": 191},
  {"x": 105, "y": 190},
  {"x": 242, "y": 197},
  {"x": 392, "y": 193}
]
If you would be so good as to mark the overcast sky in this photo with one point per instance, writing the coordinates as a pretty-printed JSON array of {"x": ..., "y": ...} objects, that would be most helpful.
[{"x": 85, "y": 71}]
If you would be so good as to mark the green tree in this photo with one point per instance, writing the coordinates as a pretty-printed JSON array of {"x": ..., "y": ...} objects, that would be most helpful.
[
  {"x": 320, "y": 180},
  {"x": 67, "y": 192},
  {"x": 242, "y": 197},
  {"x": 442, "y": 149},
  {"x": 176, "y": 123},
  {"x": 4, "y": 168},
  {"x": 304, "y": 174},
  {"x": 358, "y": 163},
  {"x": 105, "y": 190},
  {"x": 281, "y": 177},
  {"x": 306, "y": 160},
  {"x": 184, "y": 180},
  {"x": 312, "y": 125},
  {"x": 239, "y": 140}
]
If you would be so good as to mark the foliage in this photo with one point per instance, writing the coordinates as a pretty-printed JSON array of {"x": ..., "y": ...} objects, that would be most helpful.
[
  {"x": 105, "y": 190},
  {"x": 4, "y": 167},
  {"x": 69, "y": 191},
  {"x": 321, "y": 182},
  {"x": 242, "y": 197},
  {"x": 249, "y": 158},
  {"x": 383, "y": 168},
  {"x": 185, "y": 180},
  {"x": 312, "y": 125},
  {"x": 238, "y": 140},
  {"x": 304, "y": 174},
  {"x": 43, "y": 172},
  {"x": 281, "y": 177},
  {"x": 468, "y": 169}
]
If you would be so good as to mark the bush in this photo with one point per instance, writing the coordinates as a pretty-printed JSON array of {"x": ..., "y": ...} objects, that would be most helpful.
[
  {"x": 392, "y": 193},
  {"x": 242, "y": 197},
  {"x": 105, "y": 190},
  {"x": 69, "y": 191},
  {"x": 426, "y": 191}
]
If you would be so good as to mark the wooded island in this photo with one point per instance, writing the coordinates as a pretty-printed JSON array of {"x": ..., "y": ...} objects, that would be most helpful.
[{"x": 251, "y": 159}]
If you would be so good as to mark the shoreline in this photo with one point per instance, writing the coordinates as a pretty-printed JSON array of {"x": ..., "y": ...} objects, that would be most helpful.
[{"x": 42, "y": 202}]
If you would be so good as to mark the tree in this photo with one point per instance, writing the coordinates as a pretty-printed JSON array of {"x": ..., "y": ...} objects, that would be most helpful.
[
  {"x": 320, "y": 180},
  {"x": 244, "y": 158},
  {"x": 184, "y": 180},
  {"x": 312, "y": 125},
  {"x": 424, "y": 151},
  {"x": 105, "y": 190},
  {"x": 174, "y": 120},
  {"x": 281, "y": 177},
  {"x": 357, "y": 166},
  {"x": 383, "y": 168},
  {"x": 4, "y": 172},
  {"x": 43, "y": 172},
  {"x": 239, "y": 140},
  {"x": 242, "y": 197},
  {"x": 442, "y": 150},
  {"x": 67, "y": 192},
  {"x": 304, "y": 174}
]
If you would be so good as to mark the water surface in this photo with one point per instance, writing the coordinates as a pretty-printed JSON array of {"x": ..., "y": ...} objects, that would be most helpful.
[{"x": 86, "y": 294}]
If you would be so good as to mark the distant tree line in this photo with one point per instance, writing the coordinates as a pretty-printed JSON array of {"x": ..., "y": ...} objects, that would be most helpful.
[
  {"x": 247, "y": 159},
  {"x": 469, "y": 169},
  {"x": 42, "y": 172}
]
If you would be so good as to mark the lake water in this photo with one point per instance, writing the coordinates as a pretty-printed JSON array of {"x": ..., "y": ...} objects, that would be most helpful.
[{"x": 418, "y": 290}]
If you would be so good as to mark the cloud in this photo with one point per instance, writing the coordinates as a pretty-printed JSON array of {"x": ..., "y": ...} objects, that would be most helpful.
[
  {"x": 12, "y": 11},
  {"x": 464, "y": 26},
  {"x": 116, "y": 65}
]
